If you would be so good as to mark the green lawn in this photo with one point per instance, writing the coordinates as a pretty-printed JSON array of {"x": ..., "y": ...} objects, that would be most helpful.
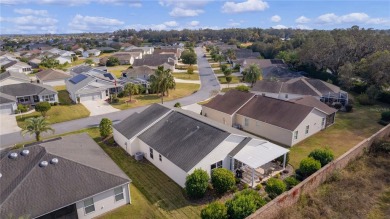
[
  {"x": 215, "y": 65},
  {"x": 235, "y": 79},
  {"x": 61, "y": 113},
  {"x": 348, "y": 130},
  {"x": 182, "y": 90},
  {"x": 218, "y": 71},
  {"x": 227, "y": 89},
  {"x": 186, "y": 76},
  {"x": 185, "y": 67}
]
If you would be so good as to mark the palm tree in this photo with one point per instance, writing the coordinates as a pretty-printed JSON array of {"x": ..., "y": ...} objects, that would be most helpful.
[
  {"x": 162, "y": 81},
  {"x": 36, "y": 125},
  {"x": 231, "y": 55},
  {"x": 253, "y": 73},
  {"x": 131, "y": 89}
]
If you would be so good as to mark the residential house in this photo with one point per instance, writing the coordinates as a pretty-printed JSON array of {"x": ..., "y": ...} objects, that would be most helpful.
[
  {"x": 174, "y": 51},
  {"x": 271, "y": 68},
  {"x": 92, "y": 85},
  {"x": 29, "y": 93},
  {"x": 145, "y": 50},
  {"x": 66, "y": 177},
  {"x": 52, "y": 77},
  {"x": 168, "y": 61},
  {"x": 34, "y": 62},
  {"x": 16, "y": 66},
  {"x": 7, "y": 104},
  {"x": 91, "y": 52},
  {"x": 80, "y": 69},
  {"x": 63, "y": 59},
  {"x": 178, "y": 142},
  {"x": 285, "y": 122},
  {"x": 302, "y": 86},
  {"x": 10, "y": 77},
  {"x": 141, "y": 72},
  {"x": 106, "y": 49}
]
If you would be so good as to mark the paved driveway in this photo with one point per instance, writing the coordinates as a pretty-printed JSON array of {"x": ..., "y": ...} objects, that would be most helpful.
[
  {"x": 98, "y": 107},
  {"x": 8, "y": 124}
]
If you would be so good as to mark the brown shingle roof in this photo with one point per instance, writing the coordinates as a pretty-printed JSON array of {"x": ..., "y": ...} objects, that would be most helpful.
[
  {"x": 284, "y": 114},
  {"x": 313, "y": 102},
  {"x": 51, "y": 74},
  {"x": 230, "y": 102}
]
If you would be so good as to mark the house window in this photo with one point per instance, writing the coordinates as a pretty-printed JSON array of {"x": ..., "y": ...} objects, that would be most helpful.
[
  {"x": 216, "y": 165},
  {"x": 160, "y": 157},
  {"x": 23, "y": 99},
  {"x": 246, "y": 121},
  {"x": 89, "y": 206},
  {"x": 118, "y": 194},
  {"x": 323, "y": 122},
  {"x": 151, "y": 153},
  {"x": 307, "y": 130},
  {"x": 286, "y": 96},
  {"x": 296, "y": 135},
  {"x": 48, "y": 97}
]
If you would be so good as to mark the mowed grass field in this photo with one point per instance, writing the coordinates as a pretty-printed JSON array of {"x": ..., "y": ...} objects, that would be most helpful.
[{"x": 185, "y": 76}]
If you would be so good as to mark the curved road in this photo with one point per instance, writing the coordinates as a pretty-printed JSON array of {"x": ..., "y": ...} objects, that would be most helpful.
[{"x": 209, "y": 87}]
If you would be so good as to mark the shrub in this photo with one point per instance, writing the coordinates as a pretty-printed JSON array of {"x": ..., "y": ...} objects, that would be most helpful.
[
  {"x": 363, "y": 99},
  {"x": 324, "y": 156},
  {"x": 385, "y": 116},
  {"x": 223, "y": 67},
  {"x": 22, "y": 108},
  {"x": 384, "y": 97},
  {"x": 43, "y": 107},
  {"x": 177, "y": 105},
  {"x": 196, "y": 183},
  {"x": 244, "y": 204},
  {"x": 309, "y": 166},
  {"x": 277, "y": 176},
  {"x": 245, "y": 186},
  {"x": 259, "y": 187},
  {"x": 222, "y": 179},
  {"x": 105, "y": 127},
  {"x": 121, "y": 94},
  {"x": 348, "y": 108},
  {"x": 112, "y": 61},
  {"x": 242, "y": 88},
  {"x": 380, "y": 146},
  {"x": 215, "y": 210},
  {"x": 55, "y": 103},
  {"x": 291, "y": 182},
  {"x": 234, "y": 189},
  {"x": 338, "y": 106},
  {"x": 275, "y": 187}
]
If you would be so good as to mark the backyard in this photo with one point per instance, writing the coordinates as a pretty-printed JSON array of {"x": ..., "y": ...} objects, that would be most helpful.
[
  {"x": 117, "y": 70},
  {"x": 185, "y": 67},
  {"x": 181, "y": 90}
]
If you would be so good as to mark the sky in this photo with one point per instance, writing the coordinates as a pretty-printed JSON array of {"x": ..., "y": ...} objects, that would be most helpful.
[{"x": 79, "y": 16}]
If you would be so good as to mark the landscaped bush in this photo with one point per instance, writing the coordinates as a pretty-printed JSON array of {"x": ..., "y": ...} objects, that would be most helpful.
[
  {"x": 338, "y": 106},
  {"x": 324, "y": 156},
  {"x": 55, "y": 103},
  {"x": 215, "y": 210},
  {"x": 244, "y": 204},
  {"x": 223, "y": 67},
  {"x": 177, "y": 105},
  {"x": 259, "y": 187},
  {"x": 222, "y": 179},
  {"x": 105, "y": 127},
  {"x": 291, "y": 182},
  {"x": 121, "y": 94},
  {"x": 384, "y": 97},
  {"x": 385, "y": 116},
  {"x": 363, "y": 99},
  {"x": 309, "y": 166},
  {"x": 245, "y": 186},
  {"x": 348, "y": 108},
  {"x": 380, "y": 146},
  {"x": 196, "y": 183},
  {"x": 242, "y": 88},
  {"x": 22, "y": 108},
  {"x": 275, "y": 187},
  {"x": 43, "y": 107}
]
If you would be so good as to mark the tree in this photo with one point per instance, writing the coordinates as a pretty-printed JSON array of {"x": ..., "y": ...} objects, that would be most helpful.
[
  {"x": 112, "y": 61},
  {"x": 36, "y": 125},
  {"x": 222, "y": 179},
  {"x": 214, "y": 210},
  {"x": 196, "y": 183},
  {"x": 190, "y": 71},
  {"x": 223, "y": 67},
  {"x": 218, "y": 58},
  {"x": 275, "y": 187},
  {"x": 228, "y": 79},
  {"x": 105, "y": 127},
  {"x": 244, "y": 204},
  {"x": 130, "y": 89},
  {"x": 231, "y": 54},
  {"x": 49, "y": 62},
  {"x": 188, "y": 57},
  {"x": 375, "y": 68},
  {"x": 43, "y": 107},
  {"x": 3, "y": 69},
  {"x": 89, "y": 61},
  {"x": 324, "y": 156},
  {"x": 162, "y": 81},
  {"x": 309, "y": 166},
  {"x": 291, "y": 182},
  {"x": 252, "y": 74}
]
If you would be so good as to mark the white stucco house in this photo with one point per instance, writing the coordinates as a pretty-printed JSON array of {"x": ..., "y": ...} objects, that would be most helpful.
[
  {"x": 91, "y": 52},
  {"x": 30, "y": 93},
  {"x": 178, "y": 142},
  {"x": 67, "y": 177},
  {"x": 285, "y": 122}
]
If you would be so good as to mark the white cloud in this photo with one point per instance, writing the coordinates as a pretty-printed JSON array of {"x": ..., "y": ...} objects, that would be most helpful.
[
  {"x": 247, "y": 6},
  {"x": 184, "y": 4},
  {"x": 181, "y": 12},
  {"x": 31, "y": 20},
  {"x": 234, "y": 24},
  {"x": 135, "y": 4},
  {"x": 279, "y": 26},
  {"x": 194, "y": 23},
  {"x": 276, "y": 18},
  {"x": 171, "y": 24},
  {"x": 27, "y": 11},
  {"x": 302, "y": 27},
  {"x": 332, "y": 18},
  {"x": 378, "y": 21},
  {"x": 302, "y": 20},
  {"x": 81, "y": 23}
]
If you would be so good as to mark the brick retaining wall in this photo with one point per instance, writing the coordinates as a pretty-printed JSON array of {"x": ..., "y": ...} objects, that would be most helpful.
[{"x": 291, "y": 197}]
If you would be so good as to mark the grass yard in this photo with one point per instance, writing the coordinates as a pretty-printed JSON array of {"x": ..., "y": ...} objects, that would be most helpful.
[
  {"x": 61, "y": 113},
  {"x": 235, "y": 79},
  {"x": 117, "y": 70},
  {"x": 218, "y": 71},
  {"x": 182, "y": 90},
  {"x": 215, "y": 65},
  {"x": 79, "y": 61},
  {"x": 185, "y": 67},
  {"x": 227, "y": 89},
  {"x": 186, "y": 76},
  {"x": 348, "y": 130}
]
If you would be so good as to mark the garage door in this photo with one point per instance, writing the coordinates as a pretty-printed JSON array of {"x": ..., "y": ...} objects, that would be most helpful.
[
  {"x": 6, "y": 109},
  {"x": 93, "y": 96}
]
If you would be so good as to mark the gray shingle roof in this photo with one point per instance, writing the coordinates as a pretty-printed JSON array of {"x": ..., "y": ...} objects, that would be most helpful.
[
  {"x": 240, "y": 146},
  {"x": 81, "y": 69},
  {"x": 5, "y": 98},
  {"x": 17, "y": 75},
  {"x": 135, "y": 123},
  {"x": 51, "y": 74},
  {"x": 230, "y": 102},
  {"x": 27, "y": 89},
  {"x": 182, "y": 139},
  {"x": 28, "y": 189}
]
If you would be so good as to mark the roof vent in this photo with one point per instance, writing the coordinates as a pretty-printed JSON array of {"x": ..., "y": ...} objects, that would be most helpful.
[
  {"x": 1, "y": 175},
  {"x": 24, "y": 152},
  {"x": 43, "y": 163},
  {"x": 13, "y": 155},
  {"x": 54, "y": 161}
]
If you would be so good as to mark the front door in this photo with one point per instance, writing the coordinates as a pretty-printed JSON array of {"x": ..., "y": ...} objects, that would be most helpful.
[{"x": 36, "y": 99}]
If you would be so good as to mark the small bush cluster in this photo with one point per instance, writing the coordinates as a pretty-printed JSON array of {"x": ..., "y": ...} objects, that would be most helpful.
[
  {"x": 275, "y": 187},
  {"x": 384, "y": 97},
  {"x": 197, "y": 183},
  {"x": 291, "y": 182},
  {"x": 43, "y": 107},
  {"x": 244, "y": 204},
  {"x": 348, "y": 108},
  {"x": 385, "y": 116},
  {"x": 215, "y": 210},
  {"x": 22, "y": 108},
  {"x": 242, "y": 88},
  {"x": 223, "y": 180},
  {"x": 324, "y": 156},
  {"x": 309, "y": 166},
  {"x": 364, "y": 99},
  {"x": 380, "y": 146}
]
